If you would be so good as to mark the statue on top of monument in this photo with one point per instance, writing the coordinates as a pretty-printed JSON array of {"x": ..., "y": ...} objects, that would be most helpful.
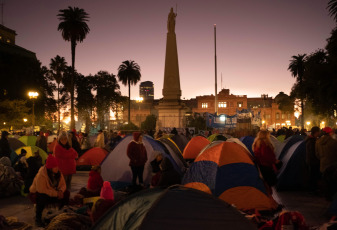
[{"x": 171, "y": 22}]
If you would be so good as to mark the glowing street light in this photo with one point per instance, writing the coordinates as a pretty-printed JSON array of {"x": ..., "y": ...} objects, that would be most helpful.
[
  {"x": 33, "y": 96},
  {"x": 25, "y": 120}
]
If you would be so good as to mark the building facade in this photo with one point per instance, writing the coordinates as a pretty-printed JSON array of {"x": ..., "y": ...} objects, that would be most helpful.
[{"x": 146, "y": 90}]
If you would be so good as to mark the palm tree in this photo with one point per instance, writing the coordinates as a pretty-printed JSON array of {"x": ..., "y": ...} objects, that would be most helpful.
[
  {"x": 74, "y": 29},
  {"x": 297, "y": 68},
  {"x": 57, "y": 68},
  {"x": 129, "y": 74},
  {"x": 332, "y": 7}
]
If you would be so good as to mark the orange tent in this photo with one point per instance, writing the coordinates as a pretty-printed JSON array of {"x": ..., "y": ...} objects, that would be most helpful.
[
  {"x": 93, "y": 156},
  {"x": 194, "y": 147}
]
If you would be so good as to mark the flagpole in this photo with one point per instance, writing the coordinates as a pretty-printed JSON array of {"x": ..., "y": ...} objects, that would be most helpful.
[{"x": 216, "y": 80}]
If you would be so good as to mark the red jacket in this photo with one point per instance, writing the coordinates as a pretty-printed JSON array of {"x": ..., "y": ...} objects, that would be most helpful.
[
  {"x": 65, "y": 159},
  {"x": 265, "y": 155},
  {"x": 137, "y": 153},
  {"x": 95, "y": 181}
]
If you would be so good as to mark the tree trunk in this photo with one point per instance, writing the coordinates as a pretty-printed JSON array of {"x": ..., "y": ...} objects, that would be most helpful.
[
  {"x": 129, "y": 103},
  {"x": 58, "y": 107},
  {"x": 72, "y": 109}
]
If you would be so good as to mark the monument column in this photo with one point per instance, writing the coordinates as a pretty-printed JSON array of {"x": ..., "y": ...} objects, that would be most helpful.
[{"x": 171, "y": 111}]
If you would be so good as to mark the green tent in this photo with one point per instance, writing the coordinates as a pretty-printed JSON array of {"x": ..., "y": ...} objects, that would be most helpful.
[
  {"x": 31, "y": 150},
  {"x": 28, "y": 140}
]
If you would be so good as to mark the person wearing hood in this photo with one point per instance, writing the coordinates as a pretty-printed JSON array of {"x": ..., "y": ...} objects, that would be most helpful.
[
  {"x": 49, "y": 186},
  {"x": 169, "y": 176},
  {"x": 326, "y": 152},
  {"x": 65, "y": 156},
  {"x": 95, "y": 181},
  {"x": 138, "y": 156},
  {"x": 5, "y": 150}
]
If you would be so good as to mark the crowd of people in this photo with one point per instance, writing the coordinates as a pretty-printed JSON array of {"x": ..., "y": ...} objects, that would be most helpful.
[{"x": 50, "y": 182}]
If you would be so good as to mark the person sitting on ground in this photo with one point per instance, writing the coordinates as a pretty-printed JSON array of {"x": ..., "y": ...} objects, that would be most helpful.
[
  {"x": 23, "y": 153},
  {"x": 50, "y": 188},
  {"x": 156, "y": 173},
  {"x": 95, "y": 181},
  {"x": 10, "y": 183},
  {"x": 21, "y": 165},
  {"x": 34, "y": 164},
  {"x": 105, "y": 203},
  {"x": 169, "y": 176},
  {"x": 265, "y": 157}
]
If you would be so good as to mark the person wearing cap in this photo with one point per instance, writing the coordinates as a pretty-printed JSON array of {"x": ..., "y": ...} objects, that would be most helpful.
[
  {"x": 105, "y": 202},
  {"x": 65, "y": 156},
  {"x": 100, "y": 139},
  {"x": 138, "y": 156},
  {"x": 326, "y": 152},
  {"x": 5, "y": 150},
  {"x": 49, "y": 186}
]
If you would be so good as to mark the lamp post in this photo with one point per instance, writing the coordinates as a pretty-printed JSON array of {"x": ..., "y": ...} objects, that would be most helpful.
[{"x": 33, "y": 96}]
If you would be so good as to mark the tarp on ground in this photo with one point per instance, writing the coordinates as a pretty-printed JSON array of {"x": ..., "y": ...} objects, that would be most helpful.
[
  {"x": 180, "y": 140},
  {"x": 28, "y": 140},
  {"x": 15, "y": 143},
  {"x": 93, "y": 156},
  {"x": 287, "y": 144},
  {"x": 227, "y": 171},
  {"x": 31, "y": 150},
  {"x": 115, "y": 166},
  {"x": 194, "y": 147},
  {"x": 216, "y": 137},
  {"x": 293, "y": 174},
  {"x": 248, "y": 142},
  {"x": 173, "y": 208}
]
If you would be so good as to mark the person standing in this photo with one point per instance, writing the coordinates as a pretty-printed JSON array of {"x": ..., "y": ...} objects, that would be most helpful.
[
  {"x": 65, "y": 156},
  {"x": 100, "y": 139},
  {"x": 138, "y": 156},
  {"x": 41, "y": 141},
  {"x": 49, "y": 187},
  {"x": 265, "y": 157},
  {"x": 5, "y": 150},
  {"x": 311, "y": 159},
  {"x": 326, "y": 152}
]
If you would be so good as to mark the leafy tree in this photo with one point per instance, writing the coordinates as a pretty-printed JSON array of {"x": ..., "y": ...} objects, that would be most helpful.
[
  {"x": 129, "y": 74},
  {"x": 332, "y": 7},
  {"x": 74, "y": 29},
  {"x": 149, "y": 123},
  {"x": 130, "y": 127},
  {"x": 12, "y": 113},
  {"x": 57, "y": 68},
  {"x": 285, "y": 102},
  {"x": 198, "y": 122},
  {"x": 297, "y": 69},
  {"x": 107, "y": 92}
]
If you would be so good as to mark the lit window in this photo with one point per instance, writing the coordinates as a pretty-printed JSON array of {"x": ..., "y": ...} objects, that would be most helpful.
[
  {"x": 289, "y": 116},
  {"x": 0, "y": 37},
  {"x": 222, "y": 104},
  {"x": 240, "y": 104},
  {"x": 204, "y": 105},
  {"x": 283, "y": 116},
  {"x": 8, "y": 41},
  {"x": 277, "y": 116},
  {"x": 267, "y": 116}
]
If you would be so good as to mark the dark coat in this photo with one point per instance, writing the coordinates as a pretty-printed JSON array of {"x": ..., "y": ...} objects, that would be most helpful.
[
  {"x": 5, "y": 150},
  {"x": 169, "y": 175},
  {"x": 137, "y": 154},
  {"x": 326, "y": 152},
  {"x": 311, "y": 158}
]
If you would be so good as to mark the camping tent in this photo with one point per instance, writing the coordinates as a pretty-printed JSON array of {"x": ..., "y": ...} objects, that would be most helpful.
[
  {"x": 174, "y": 151},
  {"x": 236, "y": 140},
  {"x": 216, "y": 137},
  {"x": 287, "y": 144},
  {"x": 31, "y": 150},
  {"x": 173, "y": 208},
  {"x": 281, "y": 138},
  {"x": 115, "y": 166},
  {"x": 227, "y": 171},
  {"x": 93, "y": 156},
  {"x": 248, "y": 142},
  {"x": 28, "y": 140},
  {"x": 180, "y": 140},
  {"x": 15, "y": 143},
  {"x": 194, "y": 147},
  {"x": 293, "y": 173}
]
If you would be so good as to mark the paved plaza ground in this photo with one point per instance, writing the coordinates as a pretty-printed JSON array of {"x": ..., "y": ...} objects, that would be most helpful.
[{"x": 312, "y": 207}]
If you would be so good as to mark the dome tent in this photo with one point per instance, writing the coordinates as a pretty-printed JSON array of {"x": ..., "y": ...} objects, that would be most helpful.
[
  {"x": 173, "y": 208},
  {"x": 227, "y": 171},
  {"x": 194, "y": 147}
]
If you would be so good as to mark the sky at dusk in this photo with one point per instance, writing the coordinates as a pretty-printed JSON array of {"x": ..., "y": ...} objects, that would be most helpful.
[{"x": 255, "y": 39}]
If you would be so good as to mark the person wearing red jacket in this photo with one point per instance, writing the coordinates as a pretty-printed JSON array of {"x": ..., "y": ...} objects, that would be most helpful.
[
  {"x": 95, "y": 181},
  {"x": 65, "y": 156},
  {"x": 138, "y": 156},
  {"x": 265, "y": 157}
]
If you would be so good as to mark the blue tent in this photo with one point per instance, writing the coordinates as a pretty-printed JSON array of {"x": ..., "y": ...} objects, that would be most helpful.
[
  {"x": 290, "y": 141},
  {"x": 248, "y": 142},
  {"x": 293, "y": 174}
]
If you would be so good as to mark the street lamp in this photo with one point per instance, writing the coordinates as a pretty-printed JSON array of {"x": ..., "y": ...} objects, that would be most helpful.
[
  {"x": 25, "y": 120},
  {"x": 33, "y": 96}
]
